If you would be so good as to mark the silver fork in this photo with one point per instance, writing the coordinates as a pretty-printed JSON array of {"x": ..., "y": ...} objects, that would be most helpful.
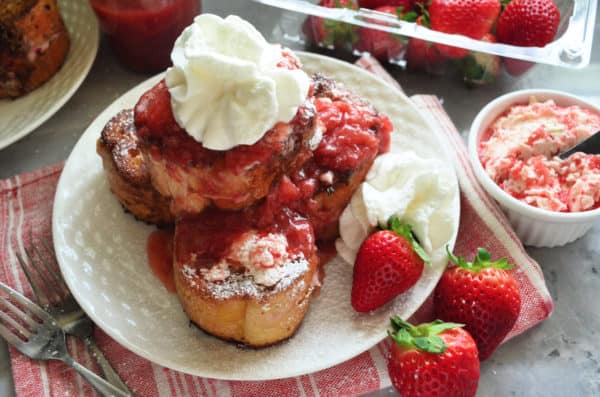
[
  {"x": 35, "y": 333},
  {"x": 52, "y": 293}
]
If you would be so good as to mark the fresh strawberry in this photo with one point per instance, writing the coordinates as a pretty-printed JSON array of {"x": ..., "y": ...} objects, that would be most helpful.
[
  {"x": 373, "y": 4},
  {"x": 480, "y": 68},
  {"x": 483, "y": 295},
  {"x": 388, "y": 263},
  {"x": 527, "y": 23},
  {"x": 383, "y": 45},
  {"x": 472, "y": 18},
  {"x": 423, "y": 55},
  {"x": 434, "y": 359},
  {"x": 329, "y": 32}
]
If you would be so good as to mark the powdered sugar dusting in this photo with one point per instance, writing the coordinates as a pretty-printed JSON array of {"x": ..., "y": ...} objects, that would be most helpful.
[
  {"x": 245, "y": 284},
  {"x": 264, "y": 258},
  {"x": 270, "y": 276},
  {"x": 218, "y": 272},
  {"x": 190, "y": 275},
  {"x": 189, "y": 272},
  {"x": 318, "y": 136}
]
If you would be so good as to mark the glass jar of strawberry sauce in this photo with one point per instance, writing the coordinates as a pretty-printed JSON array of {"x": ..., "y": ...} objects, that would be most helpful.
[{"x": 142, "y": 32}]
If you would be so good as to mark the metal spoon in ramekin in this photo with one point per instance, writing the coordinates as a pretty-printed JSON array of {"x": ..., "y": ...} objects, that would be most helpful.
[{"x": 589, "y": 146}]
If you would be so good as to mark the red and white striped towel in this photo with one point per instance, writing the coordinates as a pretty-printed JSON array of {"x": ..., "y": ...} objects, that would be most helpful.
[{"x": 26, "y": 208}]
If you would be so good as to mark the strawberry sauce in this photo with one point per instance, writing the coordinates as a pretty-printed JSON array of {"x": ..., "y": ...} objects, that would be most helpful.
[
  {"x": 156, "y": 124},
  {"x": 202, "y": 240},
  {"x": 349, "y": 139},
  {"x": 303, "y": 204},
  {"x": 354, "y": 135},
  {"x": 159, "y": 249},
  {"x": 142, "y": 32},
  {"x": 326, "y": 252}
]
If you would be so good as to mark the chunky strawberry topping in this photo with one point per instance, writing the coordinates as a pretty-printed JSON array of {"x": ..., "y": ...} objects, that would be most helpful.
[
  {"x": 302, "y": 195},
  {"x": 195, "y": 177},
  {"x": 350, "y": 134},
  {"x": 156, "y": 124},
  {"x": 289, "y": 60},
  {"x": 353, "y": 134}
]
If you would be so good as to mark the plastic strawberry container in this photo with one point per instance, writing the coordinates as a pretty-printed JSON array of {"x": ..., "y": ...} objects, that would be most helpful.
[{"x": 571, "y": 47}]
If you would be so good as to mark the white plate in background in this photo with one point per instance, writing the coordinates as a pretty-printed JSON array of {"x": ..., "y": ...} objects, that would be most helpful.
[{"x": 20, "y": 116}]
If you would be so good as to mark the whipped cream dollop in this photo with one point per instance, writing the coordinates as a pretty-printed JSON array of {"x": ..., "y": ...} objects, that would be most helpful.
[
  {"x": 226, "y": 89},
  {"x": 417, "y": 190}
]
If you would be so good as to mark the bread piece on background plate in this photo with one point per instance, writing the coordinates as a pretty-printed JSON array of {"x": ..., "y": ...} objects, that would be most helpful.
[{"x": 33, "y": 45}]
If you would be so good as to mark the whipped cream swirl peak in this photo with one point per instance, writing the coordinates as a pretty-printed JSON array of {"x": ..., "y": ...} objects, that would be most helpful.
[{"x": 226, "y": 89}]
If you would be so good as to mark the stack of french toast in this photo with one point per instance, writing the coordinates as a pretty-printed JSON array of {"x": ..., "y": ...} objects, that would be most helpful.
[
  {"x": 248, "y": 221},
  {"x": 33, "y": 45}
]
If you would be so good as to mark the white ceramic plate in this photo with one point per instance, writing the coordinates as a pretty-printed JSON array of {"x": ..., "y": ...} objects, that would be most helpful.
[
  {"x": 101, "y": 251},
  {"x": 20, "y": 116}
]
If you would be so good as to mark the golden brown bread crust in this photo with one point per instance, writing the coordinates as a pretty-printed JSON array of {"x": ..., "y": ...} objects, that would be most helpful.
[
  {"x": 254, "y": 316},
  {"x": 325, "y": 87},
  {"x": 11, "y": 10},
  {"x": 126, "y": 171},
  {"x": 330, "y": 204},
  {"x": 34, "y": 46}
]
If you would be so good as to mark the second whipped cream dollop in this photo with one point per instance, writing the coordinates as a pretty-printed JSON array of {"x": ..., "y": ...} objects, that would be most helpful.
[
  {"x": 226, "y": 89},
  {"x": 417, "y": 190}
]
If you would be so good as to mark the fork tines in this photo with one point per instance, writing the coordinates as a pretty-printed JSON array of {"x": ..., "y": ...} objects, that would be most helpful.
[
  {"x": 19, "y": 315},
  {"x": 43, "y": 274}
]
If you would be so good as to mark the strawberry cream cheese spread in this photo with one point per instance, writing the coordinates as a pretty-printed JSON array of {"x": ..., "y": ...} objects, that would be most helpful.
[
  {"x": 264, "y": 257},
  {"x": 520, "y": 153}
]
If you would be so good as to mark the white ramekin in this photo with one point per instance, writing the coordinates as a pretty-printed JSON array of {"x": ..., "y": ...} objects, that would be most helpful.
[{"x": 534, "y": 226}]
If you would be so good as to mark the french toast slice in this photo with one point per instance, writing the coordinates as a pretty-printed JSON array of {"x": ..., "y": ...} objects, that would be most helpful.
[
  {"x": 243, "y": 283},
  {"x": 33, "y": 45},
  {"x": 127, "y": 173},
  {"x": 196, "y": 177}
]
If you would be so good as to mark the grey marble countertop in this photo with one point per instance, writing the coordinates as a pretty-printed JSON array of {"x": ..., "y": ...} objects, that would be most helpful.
[{"x": 560, "y": 357}]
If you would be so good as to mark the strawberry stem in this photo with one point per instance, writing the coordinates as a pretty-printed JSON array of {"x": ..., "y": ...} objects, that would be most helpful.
[
  {"x": 423, "y": 337},
  {"x": 405, "y": 230},
  {"x": 425, "y": 20},
  {"x": 483, "y": 260},
  {"x": 339, "y": 33}
]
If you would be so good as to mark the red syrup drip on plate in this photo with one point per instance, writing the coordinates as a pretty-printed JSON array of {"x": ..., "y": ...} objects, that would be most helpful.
[
  {"x": 159, "y": 248},
  {"x": 326, "y": 251}
]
